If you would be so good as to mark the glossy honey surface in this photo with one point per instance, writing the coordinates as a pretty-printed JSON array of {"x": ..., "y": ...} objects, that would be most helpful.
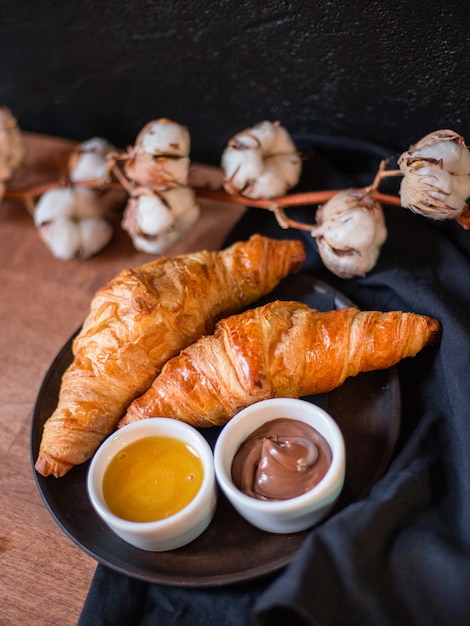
[{"x": 152, "y": 479}]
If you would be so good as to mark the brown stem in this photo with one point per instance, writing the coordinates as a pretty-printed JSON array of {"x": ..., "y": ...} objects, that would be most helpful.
[
  {"x": 38, "y": 190},
  {"x": 286, "y": 222},
  {"x": 122, "y": 180},
  {"x": 382, "y": 174},
  {"x": 298, "y": 199},
  {"x": 278, "y": 205},
  {"x": 385, "y": 198},
  {"x": 29, "y": 197},
  {"x": 464, "y": 219},
  {"x": 32, "y": 192}
]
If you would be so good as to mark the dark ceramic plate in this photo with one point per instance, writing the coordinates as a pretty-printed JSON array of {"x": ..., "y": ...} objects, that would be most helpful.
[{"x": 367, "y": 409}]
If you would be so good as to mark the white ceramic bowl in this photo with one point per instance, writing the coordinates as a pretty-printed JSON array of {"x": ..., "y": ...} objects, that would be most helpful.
[
  {"x": 294, "y": 514},
  {"x": 180, "y": 528}
]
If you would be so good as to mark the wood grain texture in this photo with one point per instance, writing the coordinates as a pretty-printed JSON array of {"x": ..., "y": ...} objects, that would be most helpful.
[{"x": 44, "y": 577}]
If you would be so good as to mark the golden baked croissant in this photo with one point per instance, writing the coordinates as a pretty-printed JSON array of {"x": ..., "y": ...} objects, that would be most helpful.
[
  {"x": 138, "y": 321},
  {"x": 281, "y": 349}
]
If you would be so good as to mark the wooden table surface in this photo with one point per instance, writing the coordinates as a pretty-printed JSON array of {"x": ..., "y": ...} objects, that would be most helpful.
[{"x": 44, "y": 576}]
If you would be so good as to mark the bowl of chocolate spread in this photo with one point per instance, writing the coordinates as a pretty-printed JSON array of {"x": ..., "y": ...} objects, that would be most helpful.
[{"x": 281, "y": 463}]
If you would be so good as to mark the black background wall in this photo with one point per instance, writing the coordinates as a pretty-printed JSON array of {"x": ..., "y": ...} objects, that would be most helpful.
[{"x": 382, "y": 71}]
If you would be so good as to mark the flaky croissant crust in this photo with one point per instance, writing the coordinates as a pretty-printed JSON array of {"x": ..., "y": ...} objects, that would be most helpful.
[
  {"x": 138, "y": 321},
  {"x": 284, "y": 349}
]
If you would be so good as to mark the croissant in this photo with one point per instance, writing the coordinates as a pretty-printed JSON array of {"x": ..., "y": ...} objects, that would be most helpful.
[
  {"x": 281, "y": 349},
  {"x": 138, "y": 321}
]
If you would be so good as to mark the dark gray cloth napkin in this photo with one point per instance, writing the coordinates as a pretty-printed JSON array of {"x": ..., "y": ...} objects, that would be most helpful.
[{"x": 400, "y": 555}]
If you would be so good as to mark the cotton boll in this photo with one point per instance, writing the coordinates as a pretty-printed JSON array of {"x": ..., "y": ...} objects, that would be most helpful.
[
  {"x": 259, "y": 137},
  {"x": 268, "y": 185},
  {"x": 349, "y": 233},
  {"x": 153, "y": 215},
  {"x": 241, "y": 168},
  {"x": 261, "y": 162},
  {"x": 159, "y": 158},
  {"x": 262, "y": 132},
  {"x": 270, "y": 137},
  {"x": 185, "y": 221},
  {"x": 278, "y": 174},
  {"x": 95, "y": 234},
  {"x": 445, "y": 146},
  {"x": 289, "y": 165},
  {"x": 454, "y": 158},
  {"x": 166, "y": 172},
  {"x": 70, "y": 222},
  {"x": 158, "y": 173},
  {"x": 146, "y": 215},
  {"x": 157, "y": 221},
  {"x": 431, "y": 191},
  {"x": 70, "y": 239},
  {"x": 89, "y": 161},
  {"x": 347, "y": 264},
  {"x": 72, "y": 202},
  {"x": 436, "y": 176},
  {"x": 281, "y": 141},
  {"x": 87, "y": 203},
  {"x": 164, "y": 137},
  {"x": 186, "y": 212},
  {"x": 62, "y": 236},
  {"x": 54, "y": 204},
  {"x": 158, "y": 244}
]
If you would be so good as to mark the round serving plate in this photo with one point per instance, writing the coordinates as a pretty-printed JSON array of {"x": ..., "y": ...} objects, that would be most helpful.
[{"x": 367, "y": 409}]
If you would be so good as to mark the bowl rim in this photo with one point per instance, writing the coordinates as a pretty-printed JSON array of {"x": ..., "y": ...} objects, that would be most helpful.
[
  {"x": 161, "y": 426},
  {"x": 331, "y": 483}
]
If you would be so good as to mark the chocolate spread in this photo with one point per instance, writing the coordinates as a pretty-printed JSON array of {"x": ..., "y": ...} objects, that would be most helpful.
[{"x": 281, "y": 459}]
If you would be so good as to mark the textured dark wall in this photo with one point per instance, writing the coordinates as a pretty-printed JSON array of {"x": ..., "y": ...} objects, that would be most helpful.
[{"x": 382, "y": 71}]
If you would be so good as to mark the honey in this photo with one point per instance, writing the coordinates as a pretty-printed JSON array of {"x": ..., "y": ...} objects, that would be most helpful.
[{"x": 152, "y": 479}]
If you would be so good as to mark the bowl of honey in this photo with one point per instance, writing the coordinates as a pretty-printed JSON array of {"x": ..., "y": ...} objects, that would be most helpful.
[{"x": 153, "y": 483}]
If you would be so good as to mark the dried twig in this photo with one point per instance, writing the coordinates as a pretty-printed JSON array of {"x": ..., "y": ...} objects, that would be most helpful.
[{"x": 29, "y": 196}]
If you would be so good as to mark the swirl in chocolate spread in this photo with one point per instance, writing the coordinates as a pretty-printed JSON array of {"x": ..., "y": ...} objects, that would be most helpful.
[{"x": 281, "y": 459}]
